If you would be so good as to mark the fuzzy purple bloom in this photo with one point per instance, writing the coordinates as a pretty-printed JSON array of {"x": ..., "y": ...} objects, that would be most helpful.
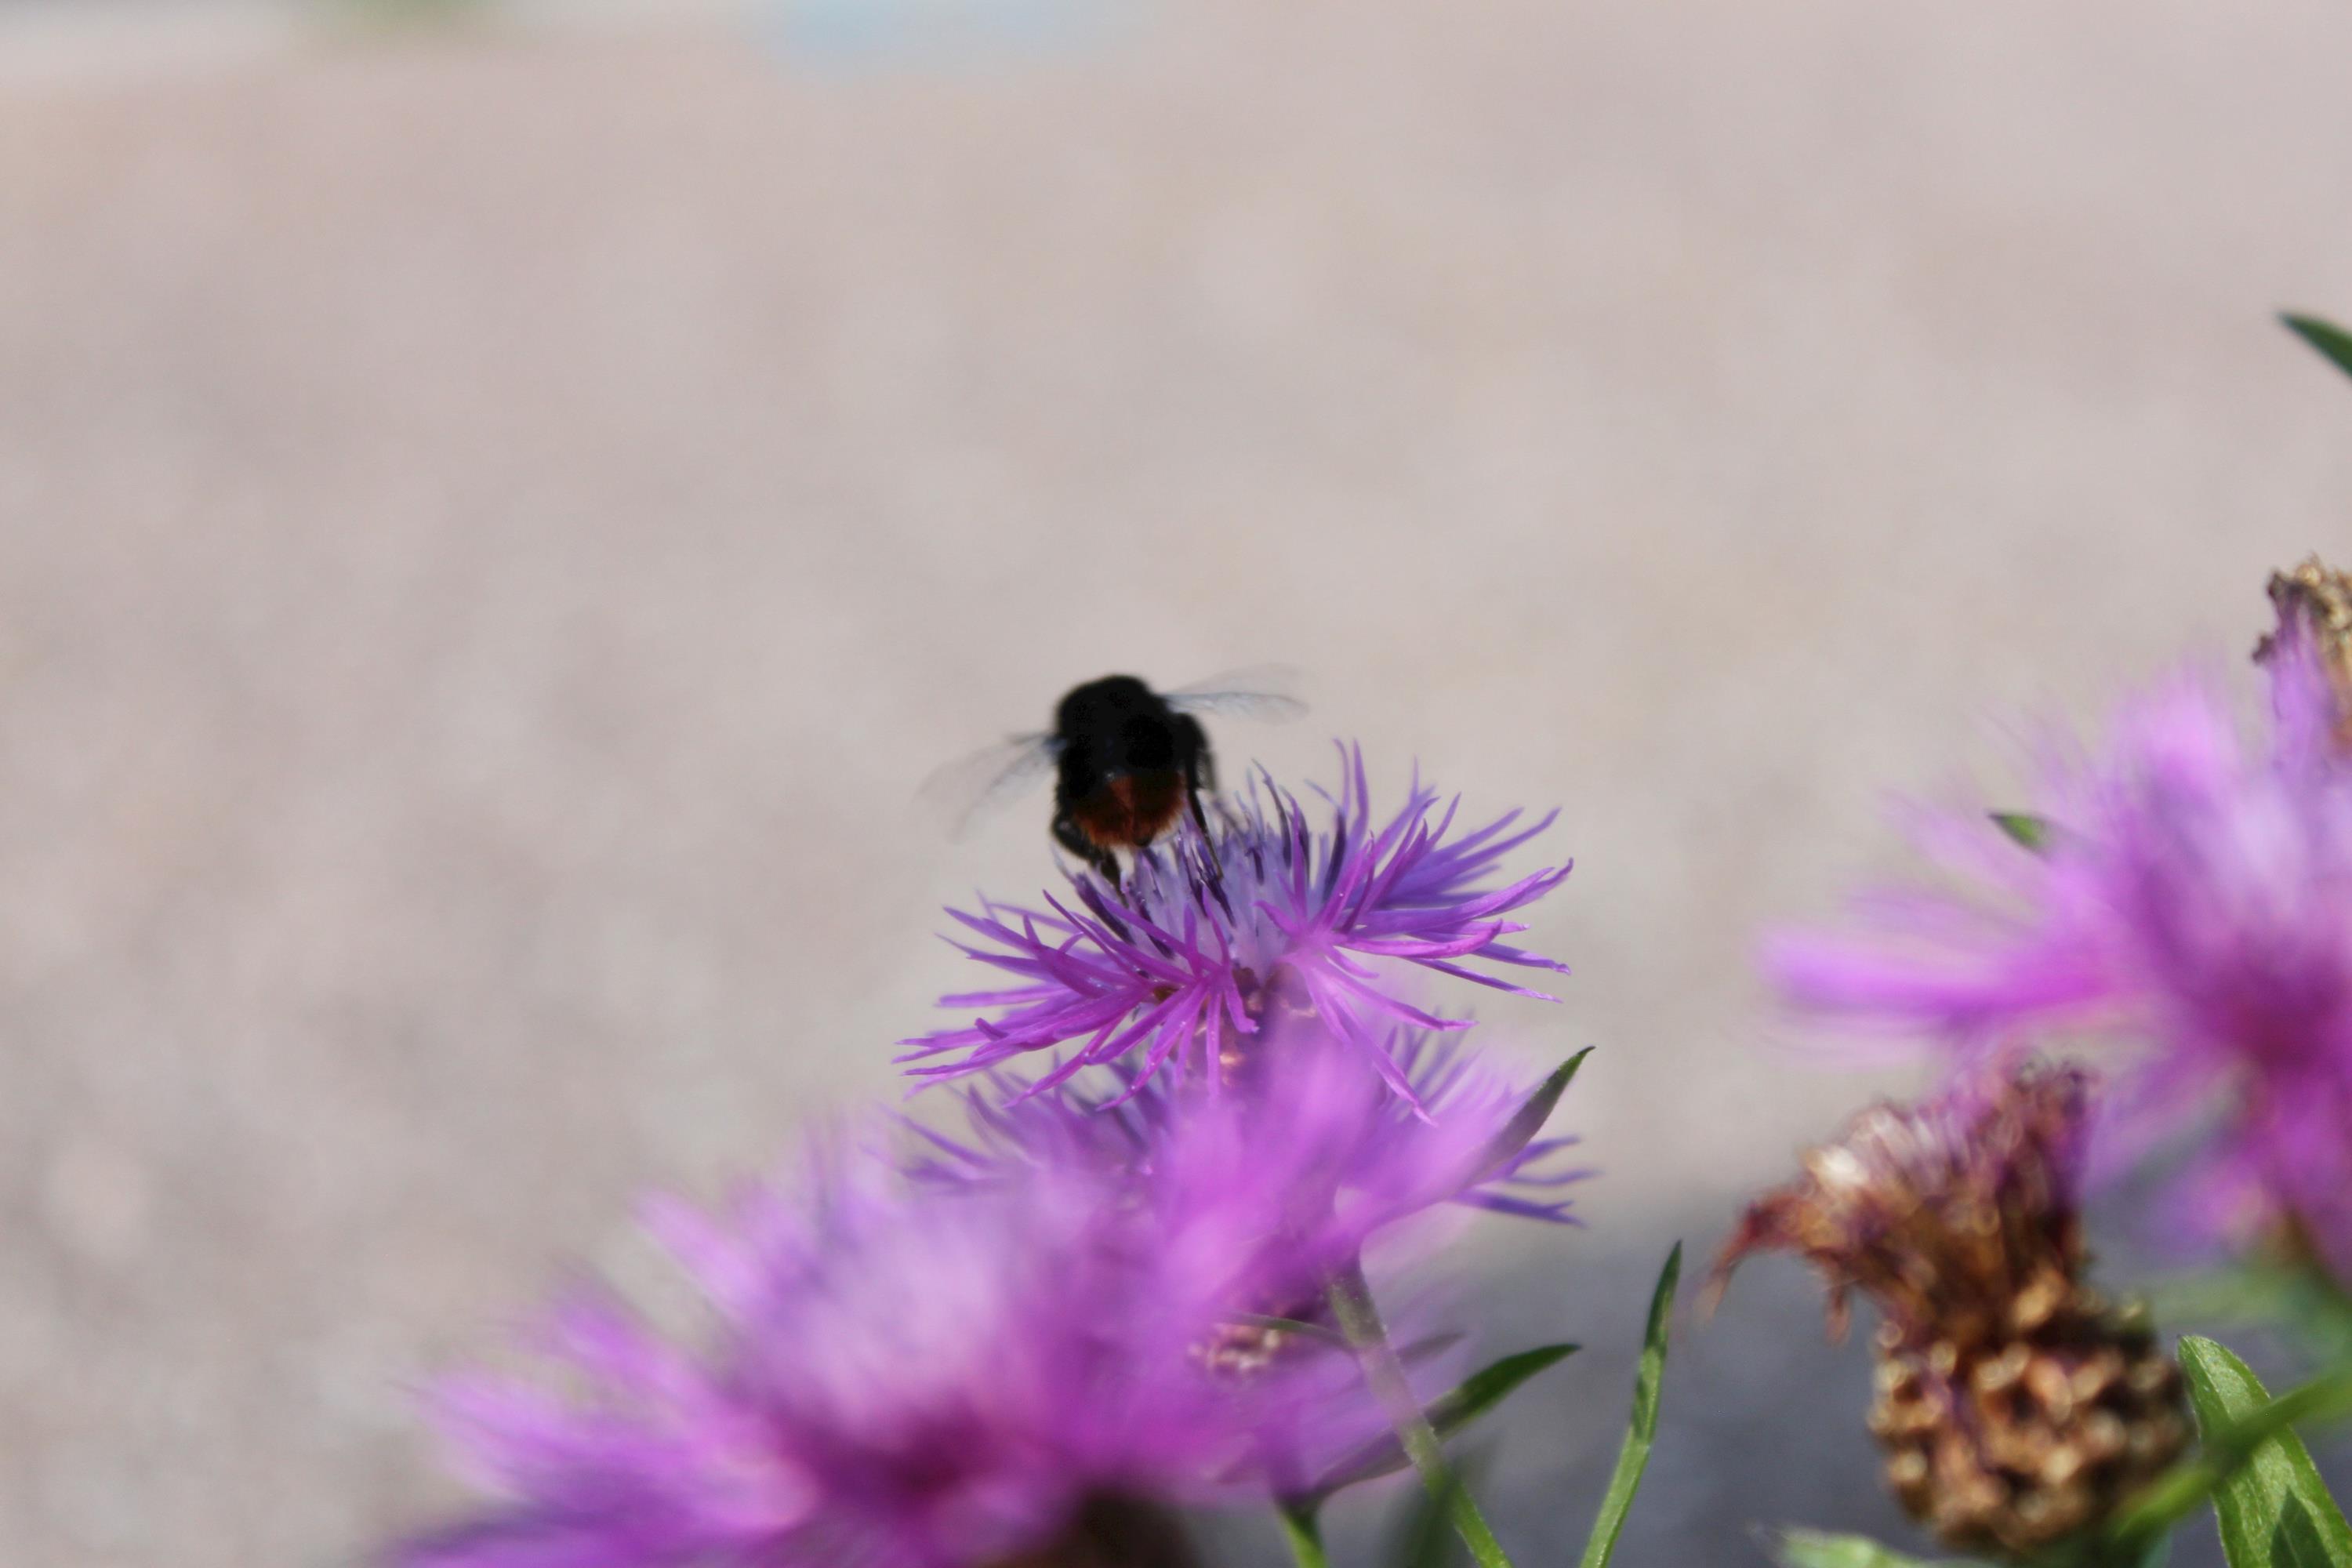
[
  {"x": 895, "y": 1383},
  {"x": 934, "y": 1373},
  {"x": 1260, "y": 914},
  {"x": 1304, "y": 1123},
  {"x": 2194, "y": 897}
]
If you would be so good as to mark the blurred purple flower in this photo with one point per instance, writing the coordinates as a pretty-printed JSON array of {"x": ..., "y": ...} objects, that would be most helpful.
[
  {"x": 921, "y": 1374},
  {"x": 2192, "y": 895},
  {"x": 1308, "y": 1130},
  {"x": 1261, "y": 916}
]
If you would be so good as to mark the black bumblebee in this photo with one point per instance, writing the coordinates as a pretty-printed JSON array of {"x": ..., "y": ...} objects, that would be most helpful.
[{"x": 1127, "y": 762}]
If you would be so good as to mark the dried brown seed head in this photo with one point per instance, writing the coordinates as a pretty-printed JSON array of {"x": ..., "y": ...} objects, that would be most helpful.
[
  {"x": 2315, "y": 611},
  {"x": 2014, "y": 1404}
]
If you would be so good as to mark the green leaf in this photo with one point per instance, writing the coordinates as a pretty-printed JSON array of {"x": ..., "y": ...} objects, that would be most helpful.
[
  {"x": 1794, "y": 1548},
  {"x": 1533, "y": 1112},
  {"x": 2329, "y": 339},
  {"x": 2182, "y": 1489},
  {"x": 1489, "y": 1386},
  {"x": 2028, "y": 830},
  {"x": 1634, "y": 1456},
  {"x": 1447, "y": 1413},
  {"x": 2274, "y": 1511}
]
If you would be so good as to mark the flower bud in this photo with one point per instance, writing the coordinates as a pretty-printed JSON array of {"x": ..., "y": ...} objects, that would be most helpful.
[
  {"x": 2015, "y": 1405},
  {"x": 2315, "y": 620}
]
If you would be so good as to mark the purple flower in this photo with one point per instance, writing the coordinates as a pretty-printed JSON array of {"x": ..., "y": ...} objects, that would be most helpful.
[
  {"x": 2192, "y": 896},
  {"x": 1306, "y": 1129},
  {"x": 1101, "y": 1300},
  {"x": 926, "y": 1375},
  {"x": 1261, "y": 916}
]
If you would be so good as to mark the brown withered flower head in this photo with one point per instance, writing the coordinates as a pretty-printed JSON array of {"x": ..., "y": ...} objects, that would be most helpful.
[
  {"x": 2014, "y": 1404},
  {"x": 2314, "y": 619}
]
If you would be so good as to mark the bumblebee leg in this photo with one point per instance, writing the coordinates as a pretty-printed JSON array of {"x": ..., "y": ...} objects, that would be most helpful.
[
  {"x": 1193, "y": 797},
  {"x": 1067, "y": 834},
  {"x": 1201, "y": 773},
  {"x": 1199, "y": 770}
]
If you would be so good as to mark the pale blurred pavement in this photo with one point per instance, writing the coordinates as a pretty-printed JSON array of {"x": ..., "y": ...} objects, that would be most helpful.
[{"x": 495, "y": 524}]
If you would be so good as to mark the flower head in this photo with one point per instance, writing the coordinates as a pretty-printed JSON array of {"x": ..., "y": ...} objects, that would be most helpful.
[
  {"x": 2313, "y": 641},
  {"x": 2014, "y": 1407},
  {"x": 926, "y": 1374},
  {"x": 1015, "y": 1348},
  {"x": 2191, "y": 897},
  {"x": 1957, "y": 1216},
  {"x": 1217, "y": 936},
  {"x": 1331, "y": 1151}
]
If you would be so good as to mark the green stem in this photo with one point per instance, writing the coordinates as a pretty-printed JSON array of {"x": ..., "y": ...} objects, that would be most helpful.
[
  {"x": 1305, "y": 1533},
  {"x": 1360, "y": 1320}
]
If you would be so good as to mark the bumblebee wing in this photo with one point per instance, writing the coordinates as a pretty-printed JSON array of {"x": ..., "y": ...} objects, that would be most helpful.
[
  {"x": 970, "y": 787},
  {"x": 1264, "y": 692}
]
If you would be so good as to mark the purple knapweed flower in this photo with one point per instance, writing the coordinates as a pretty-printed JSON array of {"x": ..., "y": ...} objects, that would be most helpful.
[
  {"x": 1215, "y": 936},
  {"x": 2189, "y": 893},
  {"x": 1307, "y": 1129},
  {"x": 912, "y": 1375}
]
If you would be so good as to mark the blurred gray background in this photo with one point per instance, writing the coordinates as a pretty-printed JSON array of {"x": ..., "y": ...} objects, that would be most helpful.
[{"x": 500, "y": 507}]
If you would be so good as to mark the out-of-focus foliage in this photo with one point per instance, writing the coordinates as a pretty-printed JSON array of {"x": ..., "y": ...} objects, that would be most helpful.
[{"x": 2274, "y": 1513}]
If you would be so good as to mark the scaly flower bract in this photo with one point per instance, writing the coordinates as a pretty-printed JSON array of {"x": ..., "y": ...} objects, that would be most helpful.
[{"x": 2015, "y": 1408}]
